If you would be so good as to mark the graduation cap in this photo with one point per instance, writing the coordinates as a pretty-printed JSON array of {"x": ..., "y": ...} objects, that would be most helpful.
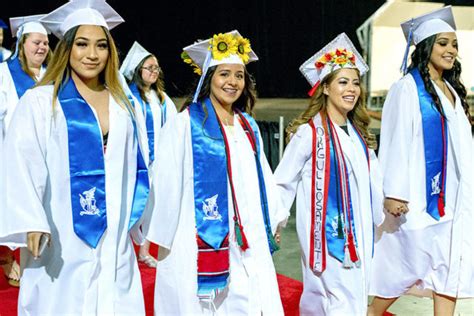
[
  {"x": 81, "y": 12},
  {"x": 419, "y": 28},
  {"x": 222, "y": 48},
  {"x": 24, "y": 25},
  {"x": 339, "y": 53},
  {"x": 134, "y": 56},
  {"x": 27, "y": 24}
]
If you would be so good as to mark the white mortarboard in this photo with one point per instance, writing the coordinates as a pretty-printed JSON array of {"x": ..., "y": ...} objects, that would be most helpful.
[
  {"x": 81, "y": 12},
  {"x": 25, "y": 25},
  {"x": 339, "y": 53},
  {"x": 134, "y": 56},
  {"x": 222, "y": 48},
  {"x": 419, "y": 28}
]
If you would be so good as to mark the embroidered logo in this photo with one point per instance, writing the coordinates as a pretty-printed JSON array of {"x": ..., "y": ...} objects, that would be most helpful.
[
  {"x": 88, "y": 203},
  {"x": 334, "y": 225},
  {"x": 210, "y": 209},
  {"x": 435, "y": 185}
]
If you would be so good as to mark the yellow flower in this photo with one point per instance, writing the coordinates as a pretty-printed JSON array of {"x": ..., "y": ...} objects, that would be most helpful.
[
  {"x": 341, "y": 60},
  {"x": 243, "y": 49},
  {"x": 223, "y": 45}
]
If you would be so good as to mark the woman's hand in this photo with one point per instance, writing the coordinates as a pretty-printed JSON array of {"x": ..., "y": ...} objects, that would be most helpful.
[
  {"x": 395, "y": 207},
  {"x": 33, "y": 243}
]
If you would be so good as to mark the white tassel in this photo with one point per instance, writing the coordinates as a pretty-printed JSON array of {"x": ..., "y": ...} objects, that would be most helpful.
[
  {"x": 347, "y": 259},
  {"x": 358, "y": 263}
]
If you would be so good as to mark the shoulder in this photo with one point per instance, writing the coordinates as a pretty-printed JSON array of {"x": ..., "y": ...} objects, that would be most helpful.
[
  {"x": 405, "y": 83},
  {"x": 43, "y": 93}
]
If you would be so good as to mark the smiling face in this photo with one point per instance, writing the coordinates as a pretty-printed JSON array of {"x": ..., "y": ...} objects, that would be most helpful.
[
  {"x": 35, "y": 48},
  {"x": 342, "y": 94},
  {"x": 227, "y": 84},
  {"x": 444, "y": 52},
  {"x": 89, "y": 53}
]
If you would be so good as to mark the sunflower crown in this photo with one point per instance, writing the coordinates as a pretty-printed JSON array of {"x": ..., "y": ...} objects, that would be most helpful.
[
  {"x": 221, "y": 46},
  {"x": 339, "y": 57}
]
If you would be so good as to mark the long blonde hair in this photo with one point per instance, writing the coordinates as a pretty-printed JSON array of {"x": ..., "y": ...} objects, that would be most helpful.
[
  {"x": 22, "y": 56},
  {"x": 318, "y": 103},
  {"x": 59, "y": 72}
]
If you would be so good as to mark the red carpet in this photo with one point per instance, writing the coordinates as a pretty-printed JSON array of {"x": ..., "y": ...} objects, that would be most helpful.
[{"x": 290, "y": 291}]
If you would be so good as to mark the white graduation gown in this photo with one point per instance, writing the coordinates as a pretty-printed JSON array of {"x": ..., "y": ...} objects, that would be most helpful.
[
  {"x": 8, "y": 96},
  {"x": 252, "y": 287},
  {"x": 70, "y": 277},
  {"x": 336, "y": 291},
  {"x": 156, "y": 109},
  {"x": 415, "y": 249},
  {"x": 6, "y": 53}
]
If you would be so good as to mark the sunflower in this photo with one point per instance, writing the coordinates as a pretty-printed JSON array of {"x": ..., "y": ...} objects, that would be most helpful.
[
  {"x": 243, "y": 49},
  {"x": 223, "y": 45},
  {"x": 185, "y": 57}
]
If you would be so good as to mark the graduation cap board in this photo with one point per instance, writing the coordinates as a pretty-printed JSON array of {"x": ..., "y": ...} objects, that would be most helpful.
[
  {"x": 337, "y": 54},
  {"x": 81, "y": 12}
]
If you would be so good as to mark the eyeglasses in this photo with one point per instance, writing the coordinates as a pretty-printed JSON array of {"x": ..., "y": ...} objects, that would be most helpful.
[{"x": 152, "y": 68}]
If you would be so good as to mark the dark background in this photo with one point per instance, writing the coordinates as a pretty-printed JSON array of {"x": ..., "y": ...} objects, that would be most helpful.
[{"x": 283, "y": 33}]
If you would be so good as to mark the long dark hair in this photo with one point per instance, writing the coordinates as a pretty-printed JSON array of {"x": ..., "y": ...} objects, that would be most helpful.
[
  {"x": 420, "y": 59},
  {"x": 244, "y": 103},
  {"x": 158, "y": 86}
]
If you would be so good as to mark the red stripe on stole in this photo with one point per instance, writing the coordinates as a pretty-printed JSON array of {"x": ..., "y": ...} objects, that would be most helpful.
[{"x": 211, "y": 260}]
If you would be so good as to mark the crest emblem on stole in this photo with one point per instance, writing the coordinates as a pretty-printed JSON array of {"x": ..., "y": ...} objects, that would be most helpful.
[
  {"x": 88, "y": 203},
  {"x": 210, "y": 209}
]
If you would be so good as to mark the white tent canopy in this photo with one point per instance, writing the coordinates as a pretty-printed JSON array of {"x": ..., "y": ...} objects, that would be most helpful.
[{"x": 383, "y": 43}]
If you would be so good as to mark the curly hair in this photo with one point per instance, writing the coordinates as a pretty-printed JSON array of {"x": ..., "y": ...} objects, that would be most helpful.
[
  {"x": 420, "y": 59},
  {"x": 318, "y": 103},
  {"x": 245, "y": 103}
]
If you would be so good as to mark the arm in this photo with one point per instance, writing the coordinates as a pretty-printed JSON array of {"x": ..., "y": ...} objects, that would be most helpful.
[
  {"x": 395, "y": 143},
  {"x": 25, "y": 174},
  {"x": 289, "y": 171},
  {"x": 168, "y": 182}
]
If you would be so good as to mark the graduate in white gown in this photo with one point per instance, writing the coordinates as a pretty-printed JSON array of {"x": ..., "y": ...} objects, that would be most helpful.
[
  {"x": 75, "y": 172},
  {"x": 426, "y": 157},
  {"x": 215, "y": 212},
  {"x": 330, "y": 165},
  {"x": 17, "y": 74},
  {"x": 25, "y": 67},
  {"x": 145, "y": 78}
]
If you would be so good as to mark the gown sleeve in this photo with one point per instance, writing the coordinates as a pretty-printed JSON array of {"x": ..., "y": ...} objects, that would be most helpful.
[
  {"x": 396, "y": 137},
  {"x": 168, "y": 181},
  {"x": 26, "y": 172},
  {"x": 289, "y": 171},
  {"x": 376, "y": 189}
]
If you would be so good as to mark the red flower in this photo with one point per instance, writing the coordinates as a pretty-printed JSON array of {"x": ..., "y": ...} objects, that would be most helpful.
[
  {"x": 328, "y": 57},
  {"x": 319, "y": 65},
  {"x": 338, "y": 52},
  {"x": 352, "y": 59}
]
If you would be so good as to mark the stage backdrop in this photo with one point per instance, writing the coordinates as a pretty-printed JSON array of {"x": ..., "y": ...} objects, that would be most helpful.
[{"x": 283, "y": 33}]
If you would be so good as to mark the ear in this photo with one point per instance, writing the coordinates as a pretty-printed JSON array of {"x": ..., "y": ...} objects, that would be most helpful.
[{"x": 325, "y": 89}]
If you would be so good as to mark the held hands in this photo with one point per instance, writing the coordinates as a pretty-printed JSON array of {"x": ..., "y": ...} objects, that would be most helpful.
[
  {"x": 395, "y": 207},
  {"x": 36, "y": 243}
]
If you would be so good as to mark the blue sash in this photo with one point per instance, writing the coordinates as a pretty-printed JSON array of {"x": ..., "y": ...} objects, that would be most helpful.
[
  {"x": 210, "y": 175},
  {"x": 146, "y": 108},
  {"x": 87, "y": 169},
  {"x": 163, "y": 113},
  {"x": 435, "y": 131},
  {"x": 337, "y": 216},
  {"x": 20, "y": 78}
]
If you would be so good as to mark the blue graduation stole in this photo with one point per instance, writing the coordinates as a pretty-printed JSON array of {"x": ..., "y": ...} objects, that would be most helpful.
[
  {"x": 332, "y": 216},
  {"x": 87, "y": 169},
  {"x": 435, "y": 131},
  {"x": 21, "y": 79},
  {"x": 211, "y": 164},
  {"x": 146, "y": 108},
  {"x": 163, "y": 113}
]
